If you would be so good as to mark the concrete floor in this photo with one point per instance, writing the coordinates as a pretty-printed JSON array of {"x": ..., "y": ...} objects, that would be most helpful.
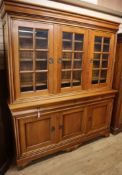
[{"x": 101, "y": 157}]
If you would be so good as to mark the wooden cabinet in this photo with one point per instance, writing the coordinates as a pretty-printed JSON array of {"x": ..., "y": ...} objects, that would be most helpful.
[
  {"x": 116, "y": 124},
  {"x": 60, "y": 70}
]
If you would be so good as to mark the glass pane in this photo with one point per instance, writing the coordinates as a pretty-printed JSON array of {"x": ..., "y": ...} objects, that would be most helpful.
[
  {"x": 26, "y": 43},
  {"x": 105, "y": 56},
  {"x": 41, "y": 39},
  {"x": 26, "y": 80},
  {"x": 104, "y": 64},
  {"x": 26, "y": 55},
  {"x": 41, "y": 81},
  {"x": 97, "y": 47},
  {"x": 67, "y": 41},
  {"x": 41, "y": 55},
  {"x": 78, "y": 56},
  {"x": 96, "y": 56},
  {"x": 103, "y": 74},
  {"x": 67, "y": 35},
  {"x": 41, "y": 44},
  {"x": 41, "y": 65},
  {"x": 95, "y": 81},
  {"x": 66, "y": 79},
  {"x": 25, "y": 38},
  {"x": 67, "y": 56},
  {"x": 77, "y": 64},
  {"x": 98, "y": 39},
  {"x": 78, "y": 46},
  {"x": 102, "y": 80},
  {"x": 76, "y": 78},
  {"x": 106, "y": 41},
  {"x": 67, "y": 45},
  {"x": 25, "y": 32},
  {"x": 96, "y": 63},
  {"x": 98, "y": 43},
  {"x": 26, "y": 65},
  {"x": 105, "y": 48},
  {"x": 42, "y": 34},
  {"x": 95, "y": 75},
  {"x": 66, "y": 64},
  {"x": 79, "y": 37}
]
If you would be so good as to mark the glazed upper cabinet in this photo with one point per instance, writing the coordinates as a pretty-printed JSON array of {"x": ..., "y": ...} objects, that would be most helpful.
[{"x": 48, "y": 62}]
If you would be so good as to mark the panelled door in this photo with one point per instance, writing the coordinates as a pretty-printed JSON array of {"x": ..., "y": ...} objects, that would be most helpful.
[
  {"x": 72, "y": 123},
  {"x": 72, "y": 57},
  {"x": 99, "y": 116},
  {"x": 36, "y": 133},
  {"x": 33, "y": 57},
  {"x": 101, "y": 55}
]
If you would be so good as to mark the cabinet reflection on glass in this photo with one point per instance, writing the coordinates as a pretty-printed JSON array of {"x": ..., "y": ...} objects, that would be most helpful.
[
  {"x": 72, "y": 53},
  {"x": 33, "y": 55}
]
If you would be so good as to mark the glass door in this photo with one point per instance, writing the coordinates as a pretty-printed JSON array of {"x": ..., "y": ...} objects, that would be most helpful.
[
  {"x": 33, "y": 58},
  {"x": 72, "y": 54},
  {"x": 101, "y": 58}
]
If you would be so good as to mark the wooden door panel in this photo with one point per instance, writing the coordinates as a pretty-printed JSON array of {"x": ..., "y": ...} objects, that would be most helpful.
[
  {"x": 99, "y": 116},
  {"x": 73, "y": 122},
  {"x": 39, "y": 131},
  {"x": 36, "y": 133}
]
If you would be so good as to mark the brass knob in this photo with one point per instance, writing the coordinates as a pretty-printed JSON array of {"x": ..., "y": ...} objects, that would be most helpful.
[{"x": 51, "y": 60}]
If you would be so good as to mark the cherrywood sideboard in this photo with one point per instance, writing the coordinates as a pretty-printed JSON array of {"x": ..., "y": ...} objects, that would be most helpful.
[
  {"x": 60, "y": 71},
  {"x": 116, "y": 124}
]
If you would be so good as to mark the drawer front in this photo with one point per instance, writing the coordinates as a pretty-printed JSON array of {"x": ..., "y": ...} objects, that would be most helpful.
[
  {"x": 99, "y": 116},
  {"x": 36, "y": 133}
]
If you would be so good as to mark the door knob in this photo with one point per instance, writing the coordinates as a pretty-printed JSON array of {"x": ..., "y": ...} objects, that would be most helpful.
[{"x": 51, "y": 60}]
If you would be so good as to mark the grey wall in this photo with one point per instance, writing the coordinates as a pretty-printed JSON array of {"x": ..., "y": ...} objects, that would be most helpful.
[{"x": 111, "y": 4}]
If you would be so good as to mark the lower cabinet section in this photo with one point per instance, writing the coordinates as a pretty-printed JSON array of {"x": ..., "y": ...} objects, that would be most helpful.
[{"x": 41, "y": 133}]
